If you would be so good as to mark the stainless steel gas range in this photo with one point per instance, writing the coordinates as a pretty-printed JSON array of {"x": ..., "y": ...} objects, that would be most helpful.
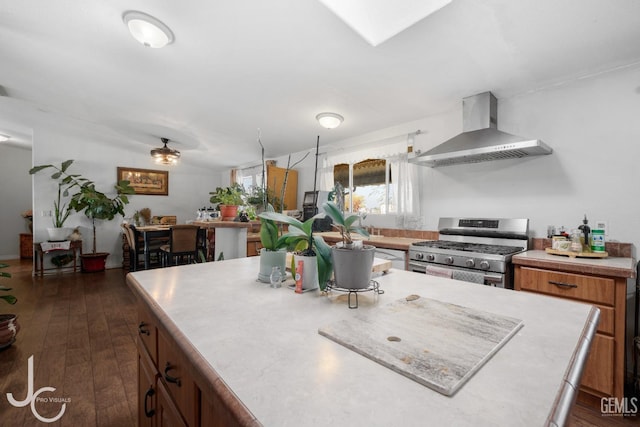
[{"x": 472, "y": 249}]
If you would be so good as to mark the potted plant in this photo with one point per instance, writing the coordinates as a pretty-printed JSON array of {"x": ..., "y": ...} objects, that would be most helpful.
[
  {"x": 95, "y": 205},
  {"x": 9, "y": 326},
  {"x": 228, "y": 200},
  {"x": 352, "y": 263},
  {"x": 61, "y": 210},
  {"x": 312, "y": 250},
  {"x": 273, "y": 252}
]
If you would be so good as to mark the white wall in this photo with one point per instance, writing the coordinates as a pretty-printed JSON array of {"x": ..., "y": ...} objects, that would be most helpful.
[
  {"x": 16, "y": 198},
  {"x": 593, "y": 127},
  {"x": 96, "y": 154}
]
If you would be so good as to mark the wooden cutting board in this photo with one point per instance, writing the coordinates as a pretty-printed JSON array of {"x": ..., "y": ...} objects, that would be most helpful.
[{"x": 437, "y": 344}]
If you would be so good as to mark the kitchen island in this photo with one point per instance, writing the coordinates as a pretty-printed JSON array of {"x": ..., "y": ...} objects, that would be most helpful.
[{"x": 248, "y": 354}]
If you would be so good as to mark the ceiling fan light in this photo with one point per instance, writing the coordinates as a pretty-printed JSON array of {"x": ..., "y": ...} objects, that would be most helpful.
[
  {"x": 148, "y": 30},
  {"x": 165, "y": 155},
  {"x": 329, "y": 120}
]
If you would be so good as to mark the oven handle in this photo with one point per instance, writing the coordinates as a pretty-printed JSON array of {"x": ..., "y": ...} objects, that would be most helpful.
[{"x": 417, "y": 267}]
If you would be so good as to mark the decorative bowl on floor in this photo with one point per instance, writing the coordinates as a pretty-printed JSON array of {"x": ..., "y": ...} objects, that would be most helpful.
[{"x": 9, "y": 328}]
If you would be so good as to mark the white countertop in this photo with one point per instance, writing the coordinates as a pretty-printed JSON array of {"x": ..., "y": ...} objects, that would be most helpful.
[{"x": 265, "y": 344}]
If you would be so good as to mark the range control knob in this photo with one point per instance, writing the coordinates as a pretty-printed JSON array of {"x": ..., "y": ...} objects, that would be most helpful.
[
  {"x": 449, "y": 260},
  {"x": 431, "y": 257},
  {"x": 419, "y": 255},
  {"x": 484, "y": 265},
  {"x": 470, "y": 262}
]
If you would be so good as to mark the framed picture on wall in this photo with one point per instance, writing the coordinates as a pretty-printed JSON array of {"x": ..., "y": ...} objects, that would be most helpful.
[{"x": 146, "y": 181}]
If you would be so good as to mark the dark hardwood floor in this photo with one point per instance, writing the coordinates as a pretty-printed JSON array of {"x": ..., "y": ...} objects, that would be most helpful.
[{"x": 81, "y": 330}]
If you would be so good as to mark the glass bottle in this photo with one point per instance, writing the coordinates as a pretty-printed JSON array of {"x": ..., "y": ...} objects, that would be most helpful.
[{"x": 276, "y": 277}]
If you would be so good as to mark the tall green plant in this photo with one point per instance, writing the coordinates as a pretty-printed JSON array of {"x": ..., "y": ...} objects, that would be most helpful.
[
  {"x": 87, "y": 199},
  {"x": 8, "y": 298},
  {"x": 300, "y": 238},
  {"x": 61, "y": 210}
]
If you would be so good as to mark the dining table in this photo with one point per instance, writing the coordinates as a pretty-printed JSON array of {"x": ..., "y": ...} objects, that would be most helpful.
[{"x": 152, "y": 234}]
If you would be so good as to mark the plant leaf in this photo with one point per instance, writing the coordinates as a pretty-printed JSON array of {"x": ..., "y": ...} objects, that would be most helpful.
[{"x": 9, "y": 298}]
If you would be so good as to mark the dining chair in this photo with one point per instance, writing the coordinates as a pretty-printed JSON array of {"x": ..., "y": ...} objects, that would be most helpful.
[
  {"x": 137, "y": 249},
  {"x": 134, "y": 248},
  {"x": 183, "y": 245}
]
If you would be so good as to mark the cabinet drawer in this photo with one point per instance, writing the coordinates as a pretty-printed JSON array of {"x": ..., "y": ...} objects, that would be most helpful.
[
  {"x": 607, "y": 320},
  {"x": 598, "y": 373},
  {"x": 174, "y": 372},
  {"x": 148, "y": 332},
  {"x": 586, "y": 288}
]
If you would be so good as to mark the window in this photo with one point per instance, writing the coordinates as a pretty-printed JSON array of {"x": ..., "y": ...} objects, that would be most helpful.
[{"x": 369, "y": 183}]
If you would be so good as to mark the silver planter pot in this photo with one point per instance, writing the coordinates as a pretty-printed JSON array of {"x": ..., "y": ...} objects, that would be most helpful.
[{"x": 352, "y": 267}]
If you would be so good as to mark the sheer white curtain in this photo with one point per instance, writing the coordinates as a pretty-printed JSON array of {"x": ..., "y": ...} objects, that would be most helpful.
[{"x": 406, "y": 191}]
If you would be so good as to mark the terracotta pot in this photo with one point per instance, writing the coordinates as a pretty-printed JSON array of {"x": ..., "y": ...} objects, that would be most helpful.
[
  {"x": 9, "y": 328},
  {"x": 92, "y": 263},
  {"x": 228, "y": 212}
]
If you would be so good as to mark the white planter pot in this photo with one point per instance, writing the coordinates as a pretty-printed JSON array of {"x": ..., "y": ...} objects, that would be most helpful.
[
  {"x": 270, "y": 259},
  {"x": 59, "y": 234},
  {"x": 309, "y": 271}
]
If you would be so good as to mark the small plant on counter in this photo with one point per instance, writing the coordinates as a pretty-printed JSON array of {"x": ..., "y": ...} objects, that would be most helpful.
[
  {"x": 228, "y": 196},
  {"x": 345, "y": 225},
  {"x": 300, "y": 239}
]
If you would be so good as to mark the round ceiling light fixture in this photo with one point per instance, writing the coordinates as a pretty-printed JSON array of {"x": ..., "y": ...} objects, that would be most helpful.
[
  {"x": 165, "y": 155},
  {"x": 148, "y": 30},
  {"x": 329, "y": 120},
  {"x": 3, "y": 138}
]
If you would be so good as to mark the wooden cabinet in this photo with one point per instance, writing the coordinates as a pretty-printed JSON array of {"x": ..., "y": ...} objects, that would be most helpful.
[
  {"x": 275, "y": 179},
  {"x": 172, "y": 389},
  {"x": 604, "y": 372},
  {"x": 26, "y": 245},
  {"x": 253, "y": 248}
]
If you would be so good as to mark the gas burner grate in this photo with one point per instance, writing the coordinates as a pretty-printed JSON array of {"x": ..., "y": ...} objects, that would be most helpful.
[{"x": 480, "y": 248}]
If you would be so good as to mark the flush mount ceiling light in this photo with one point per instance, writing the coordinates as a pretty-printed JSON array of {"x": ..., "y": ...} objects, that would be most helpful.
[
  {"x": 3, "y": 138},
  {"x": 329, "y": 120},
  {"x": 165, "y": 155},
  {"x": 147, "y": 30}
]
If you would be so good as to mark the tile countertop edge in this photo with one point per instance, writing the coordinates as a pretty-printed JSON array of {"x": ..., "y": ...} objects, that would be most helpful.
[
  {"x": 612, "y": 266},
  {"x": 207, "y": 378}
]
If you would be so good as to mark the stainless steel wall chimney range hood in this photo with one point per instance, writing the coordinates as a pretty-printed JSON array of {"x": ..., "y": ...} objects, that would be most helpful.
[{"x": 481, "y": 140}]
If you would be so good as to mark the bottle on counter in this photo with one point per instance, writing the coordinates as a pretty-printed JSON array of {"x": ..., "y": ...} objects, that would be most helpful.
[{"x": 597, "y": 240}]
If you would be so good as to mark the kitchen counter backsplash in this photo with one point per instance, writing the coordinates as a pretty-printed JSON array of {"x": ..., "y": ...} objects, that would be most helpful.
[{"x": 614, "y": 249}]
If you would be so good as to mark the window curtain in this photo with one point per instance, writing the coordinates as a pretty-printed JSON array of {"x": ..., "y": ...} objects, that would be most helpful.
[{"x": 406, "y": 190}]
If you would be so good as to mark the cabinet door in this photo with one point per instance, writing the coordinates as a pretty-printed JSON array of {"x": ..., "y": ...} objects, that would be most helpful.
[
  {"x": 275, "y": 179},
  {"x": 147, "y": 385},
  {"x": 598, "y": 373},
  {"x": 168, "y": 414},
  {"x": 175, "y": 376},
  {"x": 147, "y": 332}
]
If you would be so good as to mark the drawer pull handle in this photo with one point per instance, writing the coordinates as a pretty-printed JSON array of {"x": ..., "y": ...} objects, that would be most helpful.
[
  {"x": 149, "y": 412},
  {"x": 168, "y": 377},
  {"x": 562, "y": 284},
  {"x": 143, "y": 331}
]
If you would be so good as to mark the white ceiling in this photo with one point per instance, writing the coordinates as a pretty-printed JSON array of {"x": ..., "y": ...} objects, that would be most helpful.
[{"x": 237, "y": 66}]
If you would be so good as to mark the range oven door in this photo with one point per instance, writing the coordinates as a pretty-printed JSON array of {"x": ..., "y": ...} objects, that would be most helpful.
[{"x": 488, "y": 278}]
